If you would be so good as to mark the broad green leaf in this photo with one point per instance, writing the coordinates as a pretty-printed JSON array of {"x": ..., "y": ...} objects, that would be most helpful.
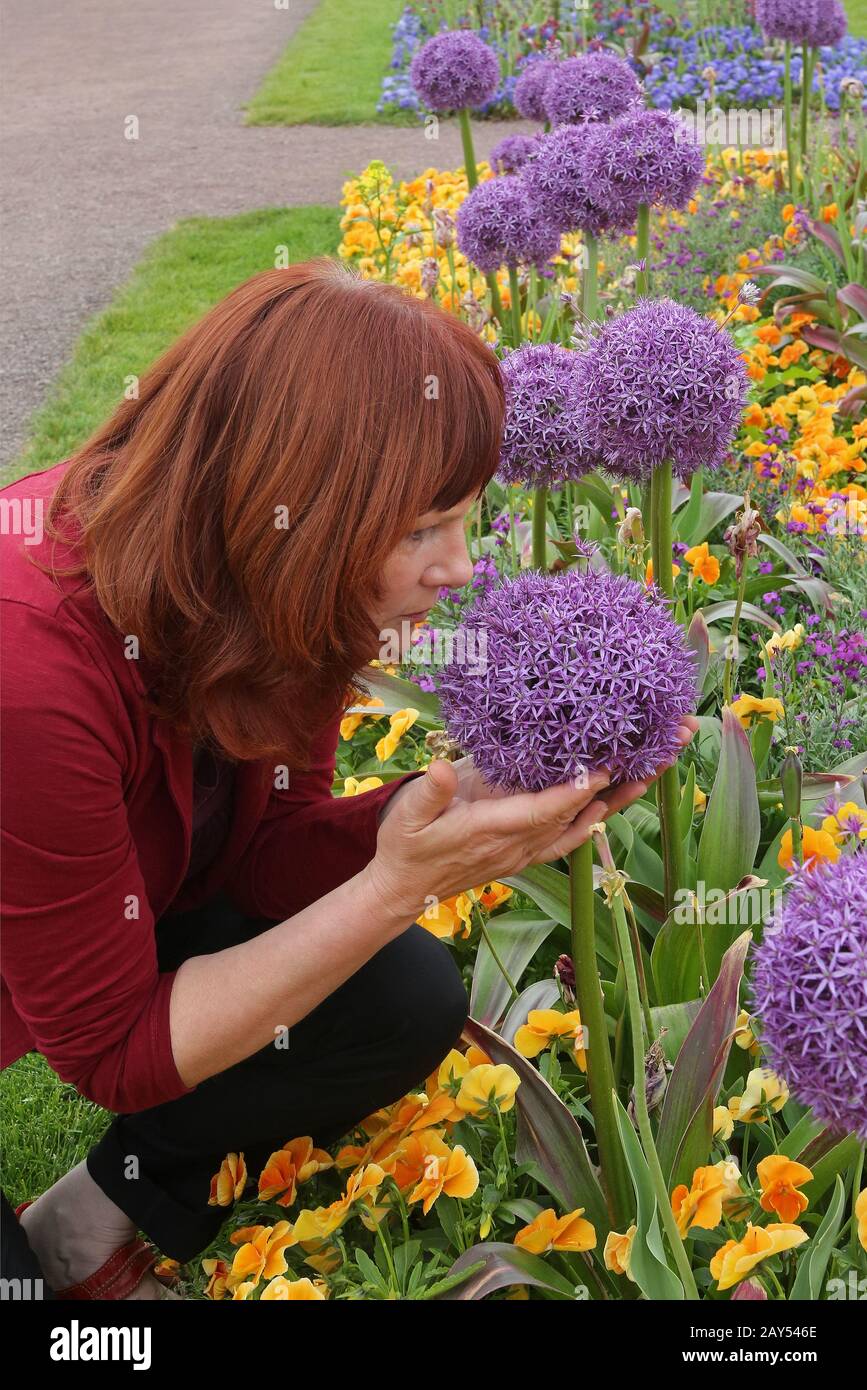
[
  {"x": 397, "y": 693},
  {"x": 516, "y": 937},
  {"x": 718, "y": 612},
  {"x": 501, "y": 1265},
  {"x": 835, "y": 1153},
  {"x": 807, "y": 1129},
  {"x": 814, "y": 1257},
  {"x": 549, "y": 889},
  {"x": 732, "y": 822},
  {"x": 675, "y": 1020},
  {"x": 648, "y": 1264},
  {"x": 715, "y": 507},
  {"x": 685, "y": 1134}
]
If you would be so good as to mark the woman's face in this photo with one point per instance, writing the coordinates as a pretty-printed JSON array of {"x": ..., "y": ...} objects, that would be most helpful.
[{"x": 430, "y": 557}]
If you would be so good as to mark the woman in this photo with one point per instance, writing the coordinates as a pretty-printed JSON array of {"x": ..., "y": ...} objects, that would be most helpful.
[{"x": 198, "y": 936}]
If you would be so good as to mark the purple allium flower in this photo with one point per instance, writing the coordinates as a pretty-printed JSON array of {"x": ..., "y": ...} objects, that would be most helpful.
[
  {"x": 595, "y": 87},
  {"x": 508, "y": 156},
  {"x": 830, "y": 25},
  {"x": 543, "y": 433},
  {"x": 661, "y": 381},
  {"x": 455, "y": 69},
  {"x": 650, "y": 157},
  {"x": 562, "y": 175},
  {"x": 810, "y": 991},
  {"x": 787, "y": 19},
  {"x": 530, "y": 89},
  {"x": 502, "y": 223},
  {"x": 582, "y": 671}
]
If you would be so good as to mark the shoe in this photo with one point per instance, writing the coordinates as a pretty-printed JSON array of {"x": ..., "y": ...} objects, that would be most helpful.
[{"x": 121, "y": 1273}]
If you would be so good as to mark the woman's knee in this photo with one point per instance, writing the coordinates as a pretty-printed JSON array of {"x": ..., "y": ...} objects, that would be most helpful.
[{"x": 421, "y": 995}]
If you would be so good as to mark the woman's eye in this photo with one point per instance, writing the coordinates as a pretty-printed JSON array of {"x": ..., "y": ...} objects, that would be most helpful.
[{"x": 417, "y": 535}]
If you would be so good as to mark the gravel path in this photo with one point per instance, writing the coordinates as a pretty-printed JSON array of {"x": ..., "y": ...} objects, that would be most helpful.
[{"x": 82, "y": 201}]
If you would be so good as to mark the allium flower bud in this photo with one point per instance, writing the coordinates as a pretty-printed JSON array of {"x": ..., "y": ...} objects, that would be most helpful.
[{"x": 791, "y": 779}]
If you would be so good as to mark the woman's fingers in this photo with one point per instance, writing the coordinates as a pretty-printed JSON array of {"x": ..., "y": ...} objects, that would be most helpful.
[{"x": 577, "y": 833}]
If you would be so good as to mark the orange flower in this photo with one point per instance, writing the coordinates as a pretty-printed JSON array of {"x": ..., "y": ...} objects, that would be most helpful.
[
  {"x": 617, "y": 1254},
  {"x": 768, "y": 333},
  {"x": 362, "y": 1185},
  {"x": 294, "y": 1163},
  {"x": 261, "y": 1253},
  {"x": 648, "y": 573},
  {"x": 780, "y": 1177},
  {"x": 453, "y": 1173},
  {"x": 816, "y": 846},
  {"x": 544, "y": 1026},
  {"x": 829, "y": 212},
  {"x": 734, "y": 1260},
  {"x": 294, "y": 1290},
  {"x": 700, "y": 1205},
  {"x": 229, "y": 1183},
  {"x": 218, "y": 1278},
  {"x": 550, "y": 1232},
  {"x": 793, "y": 353},
  {"x": 703, "y": 565},
  {"x": 861, "y": 1217}
]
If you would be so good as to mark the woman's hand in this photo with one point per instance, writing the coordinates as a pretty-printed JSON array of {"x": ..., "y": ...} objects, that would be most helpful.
[{"x": 447, "y": 831}]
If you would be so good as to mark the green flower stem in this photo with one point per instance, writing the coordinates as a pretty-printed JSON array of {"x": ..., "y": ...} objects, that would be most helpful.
[
  {"x": 787, "y": 111},
  {"x": 797, "y": 839},
  {"x": 733, "y": 637},
  {"x": 470, "y": 168},
  {"x": 663, "y": 1200},
  {"x": 590, "y": 278},
  {"x": 496, "y": 300},
  {"x": 490, "y": 945},
  {"x": 513, "y": 537},
  {"x": 540, "y": 507},
  {"x": 516, "y": 306},
  {"x": 600, "y": 1073},
  {"x": 806, "y": 83},
  {"x": 856, "y": 1188},
  {"x": 642, "y": 280},
  {"x": 668, "y": 785},
  {"x": 639, "y": 965}
]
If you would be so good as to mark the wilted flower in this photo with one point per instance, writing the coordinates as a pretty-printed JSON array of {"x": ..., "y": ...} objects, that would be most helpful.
[
  {"x": 594, "y": 87},
  {"x": 564, "y": 970},
  {"x": 617, "y": 1255},
  {"x": 500, "y": 223},
  {"x": 508, "y": 156},
  {"x": 810, "y": 991},
  {"x": 530, "y": 88},
  {"x": 455, "y": 69},
  {"x": 443, "y": 227},
  {"x": 430, "y": 273},
  {"x": 631, "y": 529},
  {"x": 542, "y": 433},
  {"x": 583, "y": 671},
  {"x": 742, "y": 536},
  {"x": 852, "y": 87},
  {"x": 662, "y": 382}
]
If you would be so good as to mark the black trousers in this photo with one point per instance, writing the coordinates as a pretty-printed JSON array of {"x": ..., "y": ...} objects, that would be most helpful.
[{"x": 380, "y": 1034}]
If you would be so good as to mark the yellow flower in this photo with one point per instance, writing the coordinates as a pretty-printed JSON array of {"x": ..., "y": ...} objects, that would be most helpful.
[
  {"x": 734, "y": 1260},
  {"x": 323, "y": 1221},
  {"x": 453, "y": 1173},
  {"x": 780, "y": 1178},
  {"x": 451, "y": 917},
  {"x": 547, "y": 1231},
  {"x": 294, "y": 1290},
  {"x": 701, "y": 1204},
  {"x": 617, "y": 1254},
  {"x": 816, "y": 846},
  {"x": 543, "y": 1026},
  {"x": 703, "y": 565},
  {"x": 744, "y": 1035},
  {"x": 749, "y": 709},
  {"x": 699, "y": 799},
  {"x": 288, "y": 1167},
  {"x": 786, "y": 641},
  {"x": 847, "y": 820},
  {"x": 648, "y": 573},
  {"x": 218, "y": 1278},
  {"x": 400, "y": 723},
  {"x": 763, "y": 1087},
  {"x": 351, "y": 722},
  {"x": 485, "y": 1087},
  {"x": 229, "y": 1183},
  {"x": 352, "y": 787},
  {"x": 861, "y": 1216},
  {"x": 723, "y": 1124},
  {"x": 260, "y": 1254}
]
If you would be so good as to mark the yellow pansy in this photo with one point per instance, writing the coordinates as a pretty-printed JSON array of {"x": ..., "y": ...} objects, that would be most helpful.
[
  {"x": 734, "y": 1260},
  {"x": 700, "y": 1204},
  {"x": 350, "y": 723},
  {"x": 543, "y": 1026},
  {"x": 229, "y": 1183},
  {"x": 353, "y": 787},
  {"x": 486, "y": 1087},
  {"x": 400, "y": 723},
  {"x": 816, "y": 847},
  {"x": 617, "y": 1255},
  {"x": 749, "y": 709},
  {"x": 744, "y": 1035},
  {"x": 548, "y": 1231},
  {"x": 786, "y": 641},
  {"x": 861, "y": 1216},
  {"x": 723, "y": 1124},
  {"x": 763, "y": 1087},
  {"x": 294, "y": 1290},
  {"x": 847, "y": 820}
]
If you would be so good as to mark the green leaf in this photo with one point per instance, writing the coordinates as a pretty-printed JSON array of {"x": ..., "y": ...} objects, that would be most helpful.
[
  {"x": 549, "y": 889},
  {"x": 647, "y": 1263},
  {"x": 516, "y": 938},
  {"x": 837, "y": 1153},
  {"x": 497, "y": 1265},
  {"x": 542, "y": 994},
  {"x": 715, "y": 507},
  {"x": 814, "y": 1259},
  {"x": 397, "y": 693},
  {"x": 732, "y": 822},
  {"x": 685, "y": 1134},
  {"x": 807, "y": 1128}
]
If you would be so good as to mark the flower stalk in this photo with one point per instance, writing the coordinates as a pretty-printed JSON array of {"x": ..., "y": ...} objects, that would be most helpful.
[
  {"x": 540, "y": 508},
  {"x": 668, "y": 785}
]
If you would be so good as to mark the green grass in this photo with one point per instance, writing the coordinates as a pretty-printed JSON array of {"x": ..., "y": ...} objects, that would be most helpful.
[
  {"x": 47, "y": 1127},
  {"x": 331, "y": 71},
  {"x": 182, "y": 275},
  {"x": 857, "y": 12}
]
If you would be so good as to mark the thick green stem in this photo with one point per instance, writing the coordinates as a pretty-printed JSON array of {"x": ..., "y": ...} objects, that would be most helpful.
[
  {"x": 513, "y": 538},
  {"x": 515, "y": 291},
  {"x": 496, "y": 301},
  {"x": 663, "y": 1200},
  {"x": 590, "y": 278},
  {"x": 540, "y": 507},
  {"x": 791, "y": 154},
  {"x": 600, "y": 1073},
  {"x": 642, "y": 280},
  {"x": 668, "y": 785},
  {"x": 469, "y": 153},
  {"x": 806, "y": 83},
  {"x": 856, "y": 1189}
]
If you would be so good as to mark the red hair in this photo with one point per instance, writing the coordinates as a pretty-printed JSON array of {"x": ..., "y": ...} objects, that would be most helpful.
[{"x": 236, "y": 516}]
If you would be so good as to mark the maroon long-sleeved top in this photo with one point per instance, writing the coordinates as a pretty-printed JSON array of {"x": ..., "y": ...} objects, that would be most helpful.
[{"x": 96, "y": 832}]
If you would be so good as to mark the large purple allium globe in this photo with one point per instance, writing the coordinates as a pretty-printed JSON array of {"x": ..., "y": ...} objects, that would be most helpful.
[
  {"x": 595, "y": 87},
  {"x": 581, "y": 671},
  {"x": 455, "y": 69},
  {"x": 543, "y": 434},
  {"x": 501, "y": 223},
  {"x": 512, "y": 152},
  {"x": 529, "y": 94},
  {"x": 788, "y": 19},
  {"x": 830, "y": 25},
  {"x": 562, "y": 176},
  {"x": 650, "y": 157},
  {"x": 662, "y": 382},
  {"x": 810, "y": 991}
]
